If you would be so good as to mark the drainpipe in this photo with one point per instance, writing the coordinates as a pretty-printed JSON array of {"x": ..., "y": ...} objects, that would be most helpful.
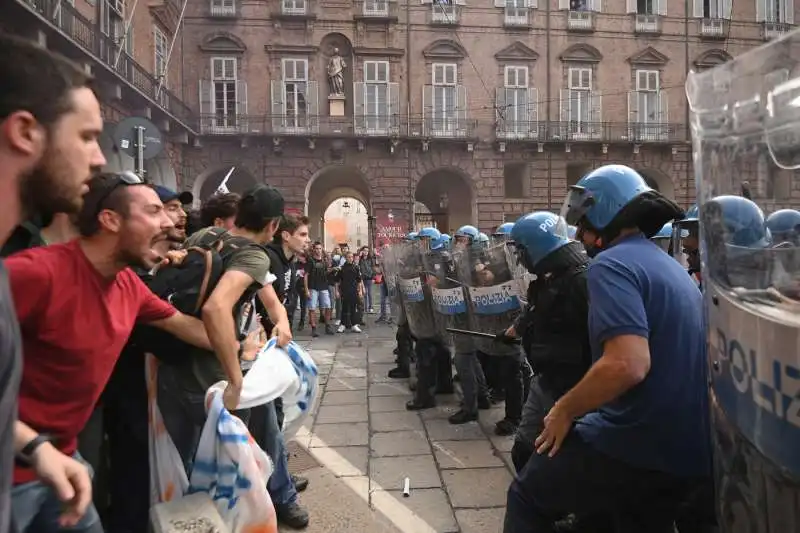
[
  {"x": 687, "y": 129},
  {"x": 408, "y": 118},
  {"x": 548, "y": 92}
]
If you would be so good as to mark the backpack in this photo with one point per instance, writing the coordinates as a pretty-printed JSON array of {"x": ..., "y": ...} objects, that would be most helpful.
[{"x": 187, "y": 287}]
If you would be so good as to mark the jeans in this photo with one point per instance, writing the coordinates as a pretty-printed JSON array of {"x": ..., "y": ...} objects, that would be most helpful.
[
  {"x": 184, "y": 413},
  {"x": 367, "y": 294},
  {"x": 337, "y": 302},
  {"x": 581, "y": 480},
  {"x": 267, "y": 433},
  {"x": 35, "y": 508},
  {"x": 386, "y": 310}
]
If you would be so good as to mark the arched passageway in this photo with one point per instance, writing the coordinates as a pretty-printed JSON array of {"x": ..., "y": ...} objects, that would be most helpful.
[
  {"x": 331, "y": 184},
  {"x": 345, "y": 221},
  {"x": 448, "y": 196}
]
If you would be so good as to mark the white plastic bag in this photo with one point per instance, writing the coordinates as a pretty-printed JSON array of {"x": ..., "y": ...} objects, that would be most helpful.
[{"x": 233, "y": 470}]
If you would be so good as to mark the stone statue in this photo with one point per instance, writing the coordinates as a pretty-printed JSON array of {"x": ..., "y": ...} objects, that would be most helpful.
[{"x": 336, "y": 66}]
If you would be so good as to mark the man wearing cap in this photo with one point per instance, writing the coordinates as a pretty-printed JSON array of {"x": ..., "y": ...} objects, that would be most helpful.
[{"x": 174, "y": 203}]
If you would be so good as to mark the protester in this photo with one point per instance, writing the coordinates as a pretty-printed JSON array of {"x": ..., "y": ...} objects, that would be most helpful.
[
  {"x": 317, "y": 291},
  {"x": 220, "y": 210},
  {"x": 49, "y": 125},
  {"x": 350, "y": 288}
]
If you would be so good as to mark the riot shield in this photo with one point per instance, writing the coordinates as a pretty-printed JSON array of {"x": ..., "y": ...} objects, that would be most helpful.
[
  {"x": 493, "y": 294},
  {"x": 414, "y": 294},
  {"x": 745, "y": 123},
  {"x": 449, "y": 304},
  {"x": 520, "y": 275},
  {"x": 390, "y": 269}
]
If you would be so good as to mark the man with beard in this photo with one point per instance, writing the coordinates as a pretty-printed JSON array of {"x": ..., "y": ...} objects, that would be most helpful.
[
  {"x": 49, "y": 125},
  {"x": 124, "y": 403},
  {"x": 58, "y": 292}
]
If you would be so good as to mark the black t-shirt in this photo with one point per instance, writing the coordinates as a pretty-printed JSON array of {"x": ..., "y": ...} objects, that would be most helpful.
[
  {"x": 10, "y": 376},
  {"x": 349, "y": 278},
  {"x": 317, "y": 272}
]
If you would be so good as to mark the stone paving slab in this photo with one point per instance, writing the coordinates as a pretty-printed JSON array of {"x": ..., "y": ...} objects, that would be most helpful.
[{"x": 367, "y": 443}]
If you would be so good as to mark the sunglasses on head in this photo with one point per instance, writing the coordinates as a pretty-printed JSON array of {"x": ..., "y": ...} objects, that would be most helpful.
[{"x": 123, "y": 179}]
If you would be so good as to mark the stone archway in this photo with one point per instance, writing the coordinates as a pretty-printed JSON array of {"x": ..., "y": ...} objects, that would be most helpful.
[
  {"x": 449, "y": 196},
  {"x": 329, "y": 184},
  {"x": 659, "y": 181},
  {"x": 207, "y": 183}
]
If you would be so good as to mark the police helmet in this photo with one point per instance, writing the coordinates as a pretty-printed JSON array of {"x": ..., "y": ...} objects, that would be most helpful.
[
  {"x": 784, "y": 224},
  {"x": 599, "y": 196},
  {"x": 572, "y": 231},
  {"x": 537, "y": 235},
  {"x": 429, "y": 233},
  {"x": 664, "y": 233},
  {"x": 482, "y": 238},
  {"x": 503, "y": 229},
  {"x": 412, "y": 236},
  {"x": 470, "y": 232},
  {"x": 441, "y": 242},
  {"x": 742, "y": 221}
]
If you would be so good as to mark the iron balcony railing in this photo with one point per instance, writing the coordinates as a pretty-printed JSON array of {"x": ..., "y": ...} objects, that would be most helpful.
[
  {"x": 86, "y": 34},
  {"x": 304, "y": 125},
  {"x": 613, "y": 132}
]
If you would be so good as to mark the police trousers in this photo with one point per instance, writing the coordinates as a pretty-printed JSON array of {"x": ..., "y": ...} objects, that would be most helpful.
[
  {"x": 584, "y": 481},
  {"x": 434, "y": 370},
  {"x": 473, "y": 382}
]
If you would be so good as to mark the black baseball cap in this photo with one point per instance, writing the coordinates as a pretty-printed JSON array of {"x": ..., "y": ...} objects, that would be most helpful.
[
  {"x": 165, "y": 194},
  {"x": 268, "y": 201}
]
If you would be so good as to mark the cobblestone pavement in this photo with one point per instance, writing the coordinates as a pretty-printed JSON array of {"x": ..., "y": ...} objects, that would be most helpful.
[{"x": 363, "y": 443}]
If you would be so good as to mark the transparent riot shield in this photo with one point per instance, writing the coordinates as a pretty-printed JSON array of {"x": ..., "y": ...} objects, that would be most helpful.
[
  {"x": 390, "y": 270},
  {"x": 449, "y": 303},
  {"x": 493, "y": 293},
  {"x": 745, "y": 118},
  {"x": 414, "y": 294},
  {"x": 519, "y": 274}
]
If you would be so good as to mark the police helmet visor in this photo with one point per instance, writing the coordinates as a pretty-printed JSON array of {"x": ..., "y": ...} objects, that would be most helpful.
[
  {"x": 662, "y": 242},
  {"x": 576, "y": 205}
]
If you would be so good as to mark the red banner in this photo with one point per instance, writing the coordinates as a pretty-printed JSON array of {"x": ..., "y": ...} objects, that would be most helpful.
[{"x": 390, "y": 228}]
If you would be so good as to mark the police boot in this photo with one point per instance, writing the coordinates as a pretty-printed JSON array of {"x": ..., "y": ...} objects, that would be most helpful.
[
  {"x": 444, "y": 371},
  {"x": 462, "y": 417},
  {"x": 426, "y": 377}
]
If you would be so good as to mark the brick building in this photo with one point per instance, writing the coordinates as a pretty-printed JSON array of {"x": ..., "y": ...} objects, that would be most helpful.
[{"x": 480, "y": 112}]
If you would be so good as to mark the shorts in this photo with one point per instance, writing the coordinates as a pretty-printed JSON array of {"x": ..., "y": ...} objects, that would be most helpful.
[{"x": 319, "y": 299}]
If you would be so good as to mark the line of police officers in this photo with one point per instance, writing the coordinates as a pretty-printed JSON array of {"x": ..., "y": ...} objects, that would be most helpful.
[{"x": 528, "y": 285}]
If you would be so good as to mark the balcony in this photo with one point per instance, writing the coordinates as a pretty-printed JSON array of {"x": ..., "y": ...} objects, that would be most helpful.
[
  {"x": 714, "y": 28},
  {"x": 445, "y": 14},
  {"x": 295, "y": 10},
  {"x": 581, "y": 113},
  {"x": 517, "y": 113},
  {"x": 376, "y": 11},
  {"x": 80, "y": 34},
  {"x": 516, "y": 17},
  {"x": 647, "y": 24},
  {"x": 222, "y": 9},
  {"x": 580, "y": 21},
  {"x": 224, "y": 124},
  {"x": 774, "y": 30},
  {"x": 376, "y": 108},
  {"x": 613, "y": 132},
  {"x": 443, "y": 127},
  {"x": 647, "y": 115}
]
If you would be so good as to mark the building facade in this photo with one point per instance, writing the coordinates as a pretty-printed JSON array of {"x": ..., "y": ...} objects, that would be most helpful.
[{"x": 478, "y": 111}]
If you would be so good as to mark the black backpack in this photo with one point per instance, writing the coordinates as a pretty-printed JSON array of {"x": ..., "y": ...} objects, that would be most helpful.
[{"x": 187, "y": 287}]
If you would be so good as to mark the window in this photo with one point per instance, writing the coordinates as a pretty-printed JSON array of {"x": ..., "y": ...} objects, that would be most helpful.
[
  {"x": 648, "y": 96},
  {"x": 714, "y": 9},
  {"x": 161, "y": 50},
  {"x": 223, "y": 96},
  {"x": 444, "y": 11},
  {"x": 445, "y": 96},
  {"x": 223, "y": 7},
  {"x": 775, "y": 11},
  {"x": 376, "y": 97},
  {"x": 515, "y": 103},
  {"x": 295, "y": 88},
  {"x": 376, "y": 8},
  {"x": 580, "y": 87},
  {"x": 112, "y": 23},
  {"x": 294, "y": 7},
  {"x": 646, "y": 7},
  {"x": 514, "y": 177},
  {"x": 516, "y": 13}
]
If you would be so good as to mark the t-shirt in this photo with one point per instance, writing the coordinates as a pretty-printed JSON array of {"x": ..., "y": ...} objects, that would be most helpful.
[
  {"x": 349, "y": 278},
  {"x": 74, "y": 324},
  {"x": 317, "y": 272},
  {"x": 10, "y": 374},
  {"x": 663, "y": 422},
  {"x": 253, "y": 261}
]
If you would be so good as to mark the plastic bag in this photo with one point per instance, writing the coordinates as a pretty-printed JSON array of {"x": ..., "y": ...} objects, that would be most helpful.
[
  {"x": 167, "y": 476},
  {"x": 233, "y": 470}
]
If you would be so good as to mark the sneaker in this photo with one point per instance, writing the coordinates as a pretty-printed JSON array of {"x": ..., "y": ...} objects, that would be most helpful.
[
  {"x": 292, "y": 515},
  {"x": 356, "y": 329},
  {"x": 300, "y": 483},
  {"x": 337, "y": 323},
  {"x": 340, "y": 329},
  {"x": 370, "y": 310},
  {"x": 314, "y": 332},
  {"x": 329, "y": 329},
  {"x": 380, "y": 319}
]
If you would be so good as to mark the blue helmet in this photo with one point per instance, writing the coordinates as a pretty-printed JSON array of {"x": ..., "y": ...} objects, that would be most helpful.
[
  {"x": 742, "y": 221},
  {"x": 784, "y": 221},
  {"x": 471, "y": 232},
  {"x": 665, "y": 232},
  {"x": 572, "y": 231},
  {"x": 600, "y": 195},
  {"x": 503, "y": 229},
  {"x": 440, "y": 243},
  {"x": 482, "y": 237},
  {"x": 539, "y": 234},
  {"x": 412, "y": 236},
  {"x": 429, "y": 233}
]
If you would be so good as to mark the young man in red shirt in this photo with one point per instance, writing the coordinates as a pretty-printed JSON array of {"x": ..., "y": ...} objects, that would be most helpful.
[
  {"x": 49, "y": 125},
  {"x": 77, "y": 304}
]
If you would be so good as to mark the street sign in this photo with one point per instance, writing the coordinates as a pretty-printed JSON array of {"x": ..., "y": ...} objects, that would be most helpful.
[{"x": 126, "y": 135}]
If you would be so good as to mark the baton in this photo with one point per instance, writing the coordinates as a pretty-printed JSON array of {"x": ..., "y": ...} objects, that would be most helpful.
[{"x": 482, "y": 335}]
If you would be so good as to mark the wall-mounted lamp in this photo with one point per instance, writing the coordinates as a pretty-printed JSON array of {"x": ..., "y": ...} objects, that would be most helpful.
[{"x": 444, "y": 201}]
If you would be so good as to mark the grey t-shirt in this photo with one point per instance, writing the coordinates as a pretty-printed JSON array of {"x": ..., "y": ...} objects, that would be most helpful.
[{"x": 10, "y": 376}]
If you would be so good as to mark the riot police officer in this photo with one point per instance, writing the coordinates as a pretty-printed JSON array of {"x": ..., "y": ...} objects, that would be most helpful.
[
  {"x": 641, "y": 441},
  {"x": 784, "y": 225},
  {"x": 554, "y": 326},
  {"x": 465, "y": 236},
  {"x": 663, "y": 239},
  {"x": 686, "y": 242},
  {"x": 405, "y": 342},
  {"x": 503, "y": 232}
]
